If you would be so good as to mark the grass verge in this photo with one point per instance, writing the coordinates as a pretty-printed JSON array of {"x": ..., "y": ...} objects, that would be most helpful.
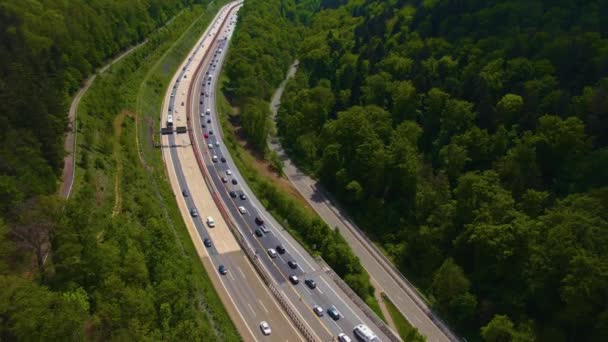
[
  {"x": 181, "y": 301},
  {"x": 404, "y": 328}
]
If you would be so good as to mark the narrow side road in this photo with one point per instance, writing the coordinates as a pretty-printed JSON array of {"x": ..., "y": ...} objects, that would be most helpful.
[
  {"x": 385, "y": 276},
  {"x": 69, "y": 162}
]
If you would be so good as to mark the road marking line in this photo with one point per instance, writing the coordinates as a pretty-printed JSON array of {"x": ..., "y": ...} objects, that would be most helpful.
[
  {"x": 241, "y": 271},
  {"x": 263, "y": 306},
  {"x": 250, "y": 308}
]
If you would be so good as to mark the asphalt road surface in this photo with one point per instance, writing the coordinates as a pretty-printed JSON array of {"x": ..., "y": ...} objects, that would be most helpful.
[
  {"x": 243, "y": 293},
  {"x": 244, "y": 212}
]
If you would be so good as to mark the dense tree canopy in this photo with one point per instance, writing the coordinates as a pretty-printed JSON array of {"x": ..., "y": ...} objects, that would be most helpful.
[{"x": 470, "y": 140}]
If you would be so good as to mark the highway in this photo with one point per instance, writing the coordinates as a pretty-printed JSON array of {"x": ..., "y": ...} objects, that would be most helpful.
[
  {"x": 244, "y": 294},
  {"x": 225, "y": 178}
]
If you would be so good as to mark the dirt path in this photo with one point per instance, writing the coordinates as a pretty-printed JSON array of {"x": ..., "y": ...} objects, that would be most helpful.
[
  {"x": 118, "y": 120},
  {"x": 69, "y": 162}
]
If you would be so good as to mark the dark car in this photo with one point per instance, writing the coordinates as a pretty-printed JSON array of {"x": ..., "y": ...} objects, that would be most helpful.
[
  {"x": 223, "y": 160},
  {"x": 232, "y": 194},
  {"x": 208, "y": 120},
  {"x": 210, "y": 132},
  {"x": 259, "y": 221},
  {"x": 292, "y": 264},
  {"x": 259, "y": 233},
  {"x": 310, "y": 283},
  {"x": 207, "y": 242},
  {"x": 333, "y": 313},
  {"x": 203, "y": 125},
  {"x": 224, "y": 180},
  {"x": 280, "y": 249},
  {"x": 243, "y": 196},
  {"x": 234, "y": 181},
  {"x": 193, "y": 212},
  {"x": 185, "y": 193},
  {"x": 223, "y": 270}
]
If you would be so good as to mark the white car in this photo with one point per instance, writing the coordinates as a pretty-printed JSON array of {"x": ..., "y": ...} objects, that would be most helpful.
[
  {"x": 242, "y": 210},
  {"x": 228, "y": 172},
  {"x": 265, "y": 328},
  {"x": 343, "y": 338},
  {"x": 210, "y": 145},
  {"x": 217, "y": 143},
  {"x": 272, "y": 253},
  {"x": 210, "y": 222},
  {"x": 214, "y": 158}
]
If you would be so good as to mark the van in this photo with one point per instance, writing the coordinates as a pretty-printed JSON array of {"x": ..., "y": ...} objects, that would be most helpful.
[{"x": 364, "y": 333}]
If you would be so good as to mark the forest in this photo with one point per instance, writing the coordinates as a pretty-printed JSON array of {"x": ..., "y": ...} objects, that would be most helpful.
[
  {"x": 468, "y": 139},
  {"x": 88, "y": 268}
]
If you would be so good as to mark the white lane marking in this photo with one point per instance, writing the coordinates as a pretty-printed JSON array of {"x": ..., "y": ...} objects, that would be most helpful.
[
  {"x": 241, "y": 272},
  {"x": 231, "y": 276},
  {"x": 321, "y": 292},
  {"x": 336, "y": 324},
  {"x": 263, "y": 306},
  {"x": 250, "y": 308},
  {"x": 347, "y": 306}
]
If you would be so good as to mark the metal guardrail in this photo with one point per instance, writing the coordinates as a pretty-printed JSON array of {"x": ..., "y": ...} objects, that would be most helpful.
[
  {"x": 304, "y": 330},
  {"x": 388, "y": 266},
  {"x": 360, "y": 303}
]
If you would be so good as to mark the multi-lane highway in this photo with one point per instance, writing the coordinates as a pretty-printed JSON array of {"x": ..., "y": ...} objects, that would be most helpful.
[
  {"x": 260, "y": 231},
  {"x": 247, "y": 299}
]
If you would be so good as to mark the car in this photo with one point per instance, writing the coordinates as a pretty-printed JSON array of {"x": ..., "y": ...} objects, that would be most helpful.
[
  {"x": 265, "y": 327},
  {"x": 318, "y": 310},
  {"x": 214, "y": 158},
  {"x": 207, "y": 242},
  {"x": 206, "y": 136},
  {"x": 259, "y": 221},
  {"x": 294, "y": 279},
  {"x": 243, "y": 196},
  {"x": 193, "y": 212},
  {"x": 333, "y": 313},
  {"x": 242, "y": 210},
  {"x": 182, "y": 103},
  {"x": 259, "y": 233},
  {"x": 343, "y": 338},
  {"x": 228, "y": 172},
  {"x": 265, "y": 229},
  {"x": 272, "y": 253},
  {"x": 210, "y": 222},
  {"x": 217, "y": 143},
  {"x": 281, "y": 249},
  {"x": 224, "y": 180},
  {"x": 223, "y": 160},
  {"x": 232, "y": 194},
  {"x": 185, "y": 193},
  {"x": 208, "y": 120},
  {"x": 223, "y": 270},
  {"x": 210, "y": 146},
  {"x": 210, "y": 132},
  {"x": 292, "y": 264},
  {"x": 208, "y": 111},
  {"x": 310, "y": 283},
  {"x": 234, "y": 181},
  {"x": 207, "y": 94},
  {"x": 203, "y": 125}
]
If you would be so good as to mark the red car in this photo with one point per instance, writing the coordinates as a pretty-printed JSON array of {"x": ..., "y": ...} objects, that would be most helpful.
[{"x": 206, "y": 135}]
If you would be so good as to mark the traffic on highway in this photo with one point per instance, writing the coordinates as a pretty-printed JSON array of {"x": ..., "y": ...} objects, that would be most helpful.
[{"x": 326, "y": 309}]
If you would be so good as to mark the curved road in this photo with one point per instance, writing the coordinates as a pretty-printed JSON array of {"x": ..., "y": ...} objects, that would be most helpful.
[
  {"x": 244, "y": 294},
  {"x": 225, "y": 178},
  {"x": 69, "y": 162}
]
